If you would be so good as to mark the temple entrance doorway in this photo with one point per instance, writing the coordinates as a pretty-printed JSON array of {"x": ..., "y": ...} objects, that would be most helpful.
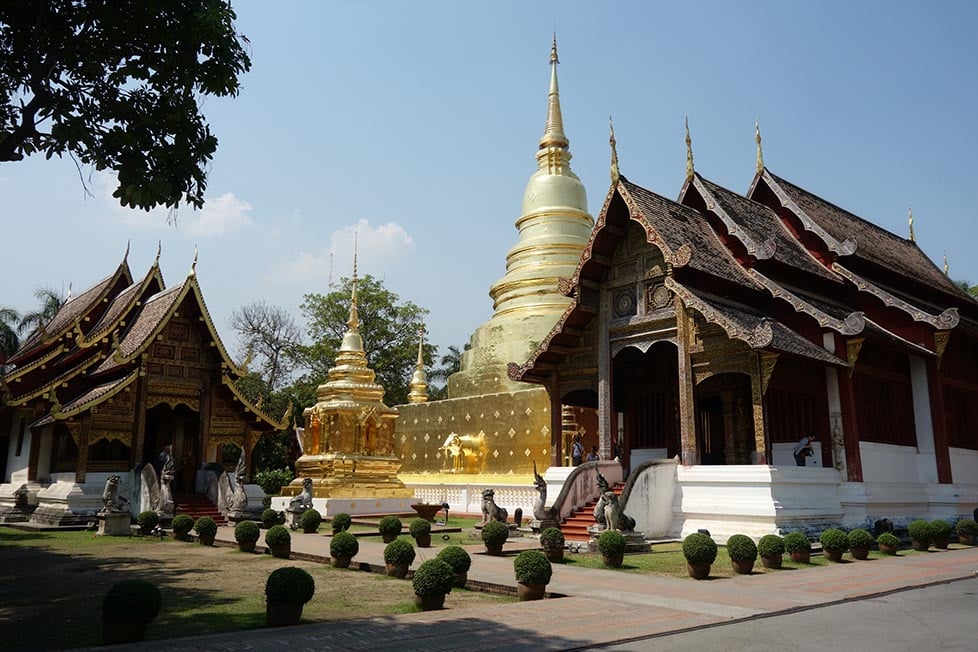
[
  {"x": 646, "y": 390},
  {"x": 179, "y": 427},
  {"x": 724, "y": 419}
]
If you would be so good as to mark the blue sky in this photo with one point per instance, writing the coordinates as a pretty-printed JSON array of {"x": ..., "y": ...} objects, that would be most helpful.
[{"x": 415, "y": 124}]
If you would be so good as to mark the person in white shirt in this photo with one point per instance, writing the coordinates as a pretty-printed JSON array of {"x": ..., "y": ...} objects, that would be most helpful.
[{"x": 803, "y": 449}]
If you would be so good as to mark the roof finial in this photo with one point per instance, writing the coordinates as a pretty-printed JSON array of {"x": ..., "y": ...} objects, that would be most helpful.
[
  {"x": 421, "y": 334},
  {"x": 760, "y": 153},
  {"x": 615, "y": 175},
  {"x": 553, "y": 50},
  {"x": 68, "y": 296},
  {"x": 553, "y": 134},
  {"x": 159, "y": 249},
  {"x": 419, "y": 379},
  {"x": 354, "y": 321},
  {"x": 910, "y": 222},
  {"x": 193, "y": 265},
  {"x": 689, "y": 153},
  {"x": 947, "y": 268},
  {"x": 125, "y": 258}
]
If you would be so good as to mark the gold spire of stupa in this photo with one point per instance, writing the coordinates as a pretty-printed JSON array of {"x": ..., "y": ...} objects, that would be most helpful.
[
  {"x": 910, "y": 222},
  {"x": 690, "y": 169},
  {"x": 419, "y": 380},
  {"x": 760, "y": 153},
  {"x": 351, "y": 339},
  {"x": 553, "y": 135}
]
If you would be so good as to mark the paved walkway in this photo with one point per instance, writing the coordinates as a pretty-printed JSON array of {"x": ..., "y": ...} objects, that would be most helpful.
[{"x": 601, "y": 606}]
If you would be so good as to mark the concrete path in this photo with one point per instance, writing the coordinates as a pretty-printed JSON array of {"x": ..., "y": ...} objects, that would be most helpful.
[{"x": 602, "y": 607}]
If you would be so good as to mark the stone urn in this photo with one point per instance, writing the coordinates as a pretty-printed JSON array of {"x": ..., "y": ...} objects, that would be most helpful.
[
  {"x": 833, "y": 555},
  {"x": 205, "y": 539},
  {"x": 555, "y": 556},
  {"x": 801, "y": 556},
  {"x": 613, "y": 560},
  {"x": 967, "y": 539},
  {"x": 388, "y": 537},
  {"x": 527, "y": 592},
  {"x": 344, "y": 562},
  {"x": 432, "y": 602},
  {"x": 427, "y": 512},
  {"x": 698, "y": 571},
  {"x": 888, "y": 549},
  {"x": 281, "y": 551},
  {"x": 940, "y": 543},
  {"x": 741, "y": 567},
  {"x": 423, "y": 541},
  {"x": 772, "y": 561},
  {"x": 283, "y": 615},
  {"x": 246, "y": 546},
  {"x": 460, "y": 579},
  {"x": 494, "y": 549},
  {"x": 920, "y": 546},
  {"x": 859, "y": 553},
  {"x": 393, "y": 570}
]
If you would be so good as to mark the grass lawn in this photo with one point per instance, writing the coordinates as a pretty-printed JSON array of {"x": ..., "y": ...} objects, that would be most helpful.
[{"x": 52, "y": 584}]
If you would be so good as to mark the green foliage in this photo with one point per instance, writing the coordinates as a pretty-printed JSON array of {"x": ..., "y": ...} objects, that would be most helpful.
[
  {"x": 120, "y": 86},
  {"x": 269, "y": 517},
  {"x": 834, "y": 540},
  {"x": 552, "y": 539},
  {"x": 148, "y": 520},
  {"x": 611, "y": 543},
  {"x": 246, "y": 531},
  {"x": 940, "y": 529},
  {"x": 205, "y": 527},
  {"x": 390, "y": 526},
  {"x": 433, "y": 577},
  {"x": 310, "y": 520},
  {"x": 921, "y": 531},
  {"x": 9, "y": 342},
  {"x": 532, "y": 567},
  {"x": 967, "y": 527},
  {"x": 278, "y": 535},
  {"x": 272, "y": 480},
  {"x": 770, "y": 545},
  {"x": 388, "y": 326},
  {"x": 456, "y": 557},
  {"x": 51, "y": 300},
  {"x": 289, "y": 585},
  {"x": 495, "y": 533},
  {"x": 887, "y": 539},
  {"x": 182, "y": 524},
  {"x": 399, "y": 553},
  {"x": 420, "y": 528},
  {"x": 741, "y": 547},
  {"x": 131, "y": 601},
  {"x": 860, "y": 538},
  {"x": 699, "y": 548},
  {"x": 341, "y": 522},
  {"x": 797, "y": 542},
  {"x": 344, "y": 544}
]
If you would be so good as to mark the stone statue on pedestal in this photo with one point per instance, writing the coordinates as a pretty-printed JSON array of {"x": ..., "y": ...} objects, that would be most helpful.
[
  {"x": 164, "y": 505},
  {"x": 543, "y": 517},
  {"x": 239, "y": 502},
  {"x": 112, "y": 502}
]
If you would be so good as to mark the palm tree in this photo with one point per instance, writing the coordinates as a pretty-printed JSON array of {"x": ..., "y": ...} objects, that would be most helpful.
[
  {"x": 51, "y": 303},
  {"x": 9, "y": 342}
]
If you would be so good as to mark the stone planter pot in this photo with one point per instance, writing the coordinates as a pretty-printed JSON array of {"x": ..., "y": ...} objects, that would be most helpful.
[
  {"x": 388, "y": 537},
  {"x": 494, "y": 549},
  {"x": 833, "y": 555},
  {"x": 922, "y": 546},
  {"x": 395, "y": 570},
  {"x": 430, "y": 602},
  {"x": 246, "y": 546},
  {"x": 283, "y": 615},
  {"x": 461, "y": 579},
  {"x": 424, "y": 542},
  {"x": 341, "y": 562},
  {"x": 310, "y": 530},
  {"x": 773, "y": 561},
  {"x": 859, "y": 553},
  {"x": 115, "y": 632},
  {"x": 180, "y": 536},
  {"x": 801, "y": 556},
  {"x": 205, "y": 540},
  {"x": 742, "y": 567},
  {"x": 555, "y": 556},
  {"x": 698, "y": 571},
  {"x": 427, "y": 512},
  {"x": 613, "y": 560},
  {"x": 941, "y": 544},
  {"x": 282, "y": 551},
  {"x": 887, "y": 549},
  {"x": 967, "y": 539},
  {"x": 527, "y": 592}
]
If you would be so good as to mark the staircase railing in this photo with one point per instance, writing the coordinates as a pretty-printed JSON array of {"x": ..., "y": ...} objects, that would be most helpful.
[{"x": 581, "y": 486}]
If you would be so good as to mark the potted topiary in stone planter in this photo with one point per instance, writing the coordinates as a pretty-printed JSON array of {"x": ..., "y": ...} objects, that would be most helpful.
[
  {"x": 206, "y": 530},
  {"x": 967, "y": 531},
  {"x": 552, "y": 542},
  {"x": 432, "y": 582},
  {"x": 940, "y": 531},
  {"x": 700, "y": 551},
  {"x": 533, "y": 573},
  {"x": 398, "y": 556},
  {"x": 128, "y": 607},
  {"x": 341, "y": 522},
  {"x": 743, "y": 553},
  {"x": 920, "y": 534},
  {"x": 460, "y": 562},
  {"x": 269, "y": 518},
  {"x": 888, "y": 543},
  {"x": 771, "y": 550},
  {"x": 246, "y": 533},
  {"x": 286, "y": 591},
  {"x": 834, "y": 544},
  {"x": 147, "y": 521},
  {"x": 420, "y": 529},
  {"x": 310, "y": 520},
  {"x": 182, "y": 525},
  {"x": 798, "y": 547},
  {"x": 860, "y": 541},
  {"x": 390, "y": 527},
  {"x": 343, "y": 547},
  {"x": 279, "y": 541},
  {"x": 494, "y": 535},
  {"x": 611, "y": 543}
]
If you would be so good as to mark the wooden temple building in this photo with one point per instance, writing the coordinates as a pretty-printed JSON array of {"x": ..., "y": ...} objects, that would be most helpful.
[
  {"x": 123, "y": 369},
  {"x": 719, "y": 329}
]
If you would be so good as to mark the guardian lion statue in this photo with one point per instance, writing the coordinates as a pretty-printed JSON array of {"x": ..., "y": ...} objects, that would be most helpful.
[
  {"x": 614, "y": 517},
  {"x": 303, "y": 501},
  {"x": 540, "y": 512},
  {"x": 490, "y": 510},
  {"x": 112, "y": 502}
]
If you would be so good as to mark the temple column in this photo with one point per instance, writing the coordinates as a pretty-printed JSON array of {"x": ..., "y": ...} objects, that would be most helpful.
[
  {"x": 687, "y": 417},
  {"x": 605, "y": 403},
  {"x": 249, "y": 443},
  {"x": 556, "y": 422},
  {"x": 34, "y": 455},
  {"x": 942, "y": 451},
  {"x": 757, "y": 409},
  {"x": 850, "y": 427},
  {"x": 82, "y": 468},
  {"x": 139, "y": 437}
]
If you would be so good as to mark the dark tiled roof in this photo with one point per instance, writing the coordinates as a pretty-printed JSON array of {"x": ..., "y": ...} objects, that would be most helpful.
[
  {"x": 114, "y": 311},
  {"x": 151, "y": 316},
  {"x": 89, "y": 399}
]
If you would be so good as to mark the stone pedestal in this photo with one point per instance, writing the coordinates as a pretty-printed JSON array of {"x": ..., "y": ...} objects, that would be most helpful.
[
  {"x": 113, "y": 524},
  {"x": 634, "y": 541},
  {"x": 236, "y": 517},
  {"x": 538, "y": 526}
]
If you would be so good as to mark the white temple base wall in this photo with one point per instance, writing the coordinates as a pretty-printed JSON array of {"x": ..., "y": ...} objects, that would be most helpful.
[
  {"x": 330, "y": 507},
  {"x": 466, "y": 498},
  {"x": 66, "y": 502}
]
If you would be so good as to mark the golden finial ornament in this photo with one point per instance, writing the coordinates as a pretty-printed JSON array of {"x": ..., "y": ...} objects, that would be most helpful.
[
  {"x": 159, "y": 250},
  {"x": 553, "y": 134},
  {"x": 125, "y": 258},
  {"x": 690, "y": 169},
  {"x": 419, "y": 379},
  {"x": 910, "y": 222},
  {"x": 760, "y": 153},
  {"x": 615, "y": 175},
  {"x": 68, "y": 296},
  {"x": 553, "y": 50},
  {"x": 947, "y": 268},
  {"x": 193, "y": 265},
  {"x": 354, "y": 321}
]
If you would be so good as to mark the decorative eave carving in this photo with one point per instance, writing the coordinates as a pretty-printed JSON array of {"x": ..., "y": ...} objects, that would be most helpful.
[
  {"x": 516, "y": 371},
  {"x": 853, "y": 324},
  {"x": 942, "y": 322},
  {"x": 845, "y": 248},
  {"x": 566, "y": 286},
  {"x": 758, "y": 338},
  {"x": 761, "y": 251},
  {"x": 98, "y": 400},
  {"x": 53, "y": 383},
  {"x": 37, "y": 364},
  {"x": 277, "y": 424},
  {"x": 768, "y": 361},
  {"x": 940, "y": 343},
  {"x": 853, "y": 347}
]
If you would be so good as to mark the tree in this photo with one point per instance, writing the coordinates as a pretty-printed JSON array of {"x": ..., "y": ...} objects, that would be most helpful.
[
  {"x": 273, "y": 338},
  {"x": 9, "y": 342},
  {"x": 389, "y": 329},
  {"x": 118, "y": 86},
  {"x": 449, "y": 364},
  {"x": 51, "y": 302}
]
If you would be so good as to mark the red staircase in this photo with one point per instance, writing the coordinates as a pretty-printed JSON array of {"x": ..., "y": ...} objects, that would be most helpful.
[
  {"x": 197, "y": 505},
  {"x": 575, "y": 526}
]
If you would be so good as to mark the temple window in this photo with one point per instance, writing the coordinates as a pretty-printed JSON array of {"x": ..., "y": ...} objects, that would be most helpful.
[
  {"x": 961, "y": 413},
  {"x": 64, "y": 452},
  {"x": 105, "y": 450}
]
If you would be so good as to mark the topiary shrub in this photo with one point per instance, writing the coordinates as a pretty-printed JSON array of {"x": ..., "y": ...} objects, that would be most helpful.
[
  {"x": 289, "y": 585},
  {"x": 552, "y": 539},
  {"x": 770, "y": 545},
  {"x": 495, "y": 533},
  {"x": 131, "y": 601},
  {"x": 269, "y": 517},
  {"x": 611, "y": 543},
  {"x": 390, "y": 526},
  {"x": 834, "y": 540},
  {"x": 532, "y": 567},
  {"x": 920, "y": 530},
  {"x": 797, "y": 542},
  {"x": 272, "y": 480},
  {"x": 246, "y": 531},
  {"x": 433, "y": 577},
  {"x": 420, "y": 528},
  {"x": 344, "y": 545},
  {"x": 399, "y": 553},
  {"x": 741, "y": 547},
  {"x": 699, "y": 548},
  {"x": 182, "y": 524},
  {"x": 310, "y": 520},
  {"x": 888, "y": 542},
  {"x": 456, "y": 557},
  {"x": 940, "y": 529},
  {"x": 967, "y": 527},
  {"x": 860, "y": 538},
  {"x": 341, "y": 522},
  {"x": 277, "y": 535},
  {"x": 148, "y": 520},
  {"x": 205, "y": 527}
]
